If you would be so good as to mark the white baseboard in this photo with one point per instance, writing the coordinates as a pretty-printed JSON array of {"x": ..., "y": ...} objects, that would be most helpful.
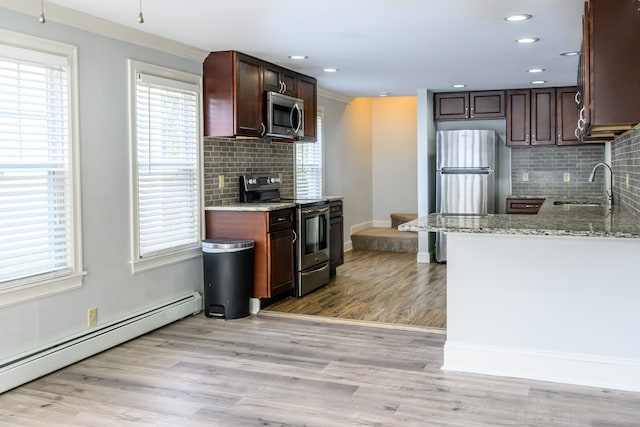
[
  {"x": 567, "y": 368},
  {"x": 44, "y": 360},
  {"x": 348, "y": 246},
  {"x": 362, "y": 226}
]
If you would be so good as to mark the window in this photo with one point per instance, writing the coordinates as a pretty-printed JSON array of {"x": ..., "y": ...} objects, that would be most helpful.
[
  {"x": 166, "y": 165},
  {"x": 309, "y": 164},
  {"x": 40, "y": 238}
]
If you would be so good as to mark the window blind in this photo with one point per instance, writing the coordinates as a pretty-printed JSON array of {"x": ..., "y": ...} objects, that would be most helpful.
[
  {"x": 309, "y": 165},
  {"x": 167, "y": 165},
  {"x": 36, "y": 215}
]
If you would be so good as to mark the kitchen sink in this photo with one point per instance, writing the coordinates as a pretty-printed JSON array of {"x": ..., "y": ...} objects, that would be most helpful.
[{"x": 577, "y": 203}]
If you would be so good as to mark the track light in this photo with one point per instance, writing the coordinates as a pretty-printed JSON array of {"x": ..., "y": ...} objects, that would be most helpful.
[
  {"x": 41, "y": 18},
  {"x": 140, "y": 16}
]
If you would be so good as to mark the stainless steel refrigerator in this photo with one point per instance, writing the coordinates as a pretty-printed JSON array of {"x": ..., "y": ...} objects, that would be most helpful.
[{"x": 465, "y": 176}]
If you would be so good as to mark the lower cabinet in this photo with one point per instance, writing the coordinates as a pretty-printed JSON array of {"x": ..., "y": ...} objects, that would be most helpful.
[
  {"x": 274, "y": 245},
  {"x": 336, "y": 236},
  {"x": 523, "y": 206}
]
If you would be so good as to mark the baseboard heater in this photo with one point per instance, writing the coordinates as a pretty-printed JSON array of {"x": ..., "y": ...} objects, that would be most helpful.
[{"x": 27, "y": 367}]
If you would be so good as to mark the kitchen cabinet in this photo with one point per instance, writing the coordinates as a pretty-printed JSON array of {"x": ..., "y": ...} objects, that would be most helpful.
[
  {"x": 567, "y": 114},
  {"x": 469, "y": 105},
  {"x": 234, "y": 86},
  {"x": 609, "y": 65},
  {"x": 233, "y": 95},
  {"x": 281, "y": 80},
  {"x": 308, "y": 92},
  {"x": 336, "y": 236},
  {"x": 531, "y": 117},
  {"x": 523, "y": 206},
  {"x": 274, "y": 245}
]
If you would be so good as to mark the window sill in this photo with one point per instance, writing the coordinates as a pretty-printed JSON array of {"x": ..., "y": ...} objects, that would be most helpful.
[
  {"x": 37, "y": 290},
  {"x": 166, "y": 259}
]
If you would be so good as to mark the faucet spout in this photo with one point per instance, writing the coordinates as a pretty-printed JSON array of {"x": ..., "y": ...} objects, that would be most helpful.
[{"x": 608, "y": 183}]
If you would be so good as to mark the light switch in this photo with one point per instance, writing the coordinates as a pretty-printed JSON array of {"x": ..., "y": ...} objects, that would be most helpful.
[
  {"x": 567, "y": 177},
  {"x": 626, "y": 182},
  {"x": 220, "y": 181},
  {"x": 525, "y": 176}
]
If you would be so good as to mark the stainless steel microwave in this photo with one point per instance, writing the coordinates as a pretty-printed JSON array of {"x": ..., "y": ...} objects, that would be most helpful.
[{"x": 285, "y": 116}]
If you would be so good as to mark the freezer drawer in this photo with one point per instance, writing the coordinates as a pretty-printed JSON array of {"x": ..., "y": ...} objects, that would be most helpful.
[{"x": 465, "y": 193}]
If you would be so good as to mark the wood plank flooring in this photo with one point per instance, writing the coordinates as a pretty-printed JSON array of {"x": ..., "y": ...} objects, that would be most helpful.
[
  {"x": 378, "y": 286},
  {"x": 274, "y": 371}
]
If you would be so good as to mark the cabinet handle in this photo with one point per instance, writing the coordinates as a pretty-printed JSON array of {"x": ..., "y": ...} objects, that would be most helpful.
[
  {"x": 295, "y": 236},
  {"x": 577, "y": 97},
  {"x": 582, "y": 110},
  {"x": 581, "y": 127},
  {"x": 526, "y": 139},
  {"x": 576, "y": 133},
  {"x": 263, "y": 129},
  {"x": 281, "y": 87},
  {"x": 471, "y": 116},
  {"x": 466, "y": 111},
  {"x": 284, "y": 87}
]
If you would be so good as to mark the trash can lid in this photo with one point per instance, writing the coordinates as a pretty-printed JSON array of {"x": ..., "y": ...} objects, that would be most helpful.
[{"x": 227, "y": 244}]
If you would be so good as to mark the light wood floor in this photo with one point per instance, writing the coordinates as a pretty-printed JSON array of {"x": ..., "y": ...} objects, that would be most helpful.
[
  {"x": 378, "y": 286},
  {"x": 274, "y": 371}
]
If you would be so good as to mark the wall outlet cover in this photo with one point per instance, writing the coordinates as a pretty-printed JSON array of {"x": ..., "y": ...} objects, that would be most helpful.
[
  {"x": 92, "y": 317},
  {"x": 525, "y": 176},
  {"x": 567, "y": 177},
  {"x": 220, "y": 181}
]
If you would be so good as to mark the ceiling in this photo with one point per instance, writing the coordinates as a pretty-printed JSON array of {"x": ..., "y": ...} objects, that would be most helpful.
[{"x": 395, "y": 46}]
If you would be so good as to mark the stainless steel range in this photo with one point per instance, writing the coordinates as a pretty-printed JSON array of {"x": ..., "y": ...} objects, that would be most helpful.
[{"x": 312, "y": 229}]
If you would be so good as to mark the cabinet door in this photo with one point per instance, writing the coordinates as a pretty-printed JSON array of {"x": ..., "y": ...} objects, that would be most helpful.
[
  {"x": 518, "y": 117},
  {"x": 249, "y": 97},
  {"x": 451, "y": 105},
  {"x": 281, "y": 80},
  {"x": 567, "y": 111},
  {"x": 485, "y": 105},
  {"x": 308, "y": 92},
  {"x": 336, "y": 244},
  {"x": 281, "y": 261},
  {"x": 543, "y": 116}
]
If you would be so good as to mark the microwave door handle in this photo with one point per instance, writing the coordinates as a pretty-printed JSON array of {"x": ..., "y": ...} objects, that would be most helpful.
[{"x": 296, "y": 107}]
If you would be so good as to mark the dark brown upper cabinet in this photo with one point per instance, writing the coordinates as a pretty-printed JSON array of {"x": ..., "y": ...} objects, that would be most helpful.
[
  {"x": 469, "y": 105},
  {"x": 233, "y": 95},
  {"x": 567, "y": 114},
  {"x": 234, "y": 86},
  {"x": 280, "y": 80},
  {"x": 531, "y": 117},
  {"x": 308, "y": 92},
  {"x": 610, "y": 62}
]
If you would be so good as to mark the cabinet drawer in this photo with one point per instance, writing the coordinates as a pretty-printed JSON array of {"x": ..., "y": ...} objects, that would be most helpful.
[
  {"x": 524, "y": 206},
  {"x": 280, "y": 220},
  {"x": 335, "y": 209}
]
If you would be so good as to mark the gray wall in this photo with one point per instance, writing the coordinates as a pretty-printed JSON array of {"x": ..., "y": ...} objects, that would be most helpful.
[
  {"x": 104, "y": 154},
  {"x": 546, "y": 167},
  {"x": 625, "y": 162}
]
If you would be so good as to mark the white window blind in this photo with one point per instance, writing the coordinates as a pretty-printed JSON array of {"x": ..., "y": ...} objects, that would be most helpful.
[
  {"x": 309, "y": 165},
  {"x": 36, "y": 181},
  {"x": 167, "y": 165}
]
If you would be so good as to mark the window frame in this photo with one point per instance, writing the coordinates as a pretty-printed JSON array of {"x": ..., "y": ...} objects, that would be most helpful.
[
  {"x": 139, "y": 263},
  {"x": 320, "y": 135},
  {"x": 38, "y": 286}
]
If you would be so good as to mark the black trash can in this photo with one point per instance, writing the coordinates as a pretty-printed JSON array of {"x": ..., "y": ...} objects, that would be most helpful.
[{"x": 228, "y": 277}]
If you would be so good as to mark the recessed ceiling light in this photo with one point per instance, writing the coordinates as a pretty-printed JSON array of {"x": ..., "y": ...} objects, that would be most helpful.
[
  {"x": 538, "y": 82},
  {"x": 298, "y": 57},
  {"x": 329, "y": 70},
  {"x": 457, "y": 86},
  {"x": 570, "y": 53},
  {"x": 526, "y": 40},
  {"x": 384, "y": 93},
  {"x": 535, "y": 70},
  {"x": 520, "y": 17}
]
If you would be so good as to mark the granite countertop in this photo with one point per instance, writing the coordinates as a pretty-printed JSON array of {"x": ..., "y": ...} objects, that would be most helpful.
[
  {"x": 551, "y": 220},
  {"x": 251, "y": 207},
  {"x": 333, "y": 198}
]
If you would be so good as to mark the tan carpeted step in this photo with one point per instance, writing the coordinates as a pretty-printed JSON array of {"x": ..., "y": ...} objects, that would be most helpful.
[{"x": 385, "y": 239}]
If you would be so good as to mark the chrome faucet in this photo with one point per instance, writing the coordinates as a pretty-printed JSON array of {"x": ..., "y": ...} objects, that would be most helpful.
[{"x": 608, "y": 183}]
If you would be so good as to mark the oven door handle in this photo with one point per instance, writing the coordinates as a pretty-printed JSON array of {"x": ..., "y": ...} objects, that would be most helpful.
[
  {"x": 310, "y": 272},
  {"x": 314, "y": 210}
]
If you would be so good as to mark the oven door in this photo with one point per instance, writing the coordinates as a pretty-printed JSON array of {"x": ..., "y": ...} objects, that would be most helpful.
[{"x": 313, "y": 235}]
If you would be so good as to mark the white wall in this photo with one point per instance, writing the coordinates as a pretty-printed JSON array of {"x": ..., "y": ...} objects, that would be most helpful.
[
  {"x": 104, "y": 149},
  {"x": 394, "y": 125},
  {"x": 348, "y": 151}
]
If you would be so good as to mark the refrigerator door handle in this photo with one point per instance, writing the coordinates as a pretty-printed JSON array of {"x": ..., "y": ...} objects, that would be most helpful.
[{"x": 465, "y": 171}]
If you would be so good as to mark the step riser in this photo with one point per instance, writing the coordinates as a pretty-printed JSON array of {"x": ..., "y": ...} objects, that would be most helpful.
[{"x": 379, "y": 243}]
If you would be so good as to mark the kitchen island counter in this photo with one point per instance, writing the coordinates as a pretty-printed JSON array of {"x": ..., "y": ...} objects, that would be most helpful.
[
  {"x": 552, "y": 296},
  {"x": 552, "y": 220},
  {"x": 251, "y": 207}
]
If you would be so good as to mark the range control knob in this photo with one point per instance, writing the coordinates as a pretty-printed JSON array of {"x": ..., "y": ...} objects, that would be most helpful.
[{"x": 252, "y": 181}]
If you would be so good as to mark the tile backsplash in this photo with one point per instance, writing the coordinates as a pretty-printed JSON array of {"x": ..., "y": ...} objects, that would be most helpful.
[
  {"x": 546, "y": 168},
  {"x": 625, "y": 162},
  {"x": 235, "y": 157}
]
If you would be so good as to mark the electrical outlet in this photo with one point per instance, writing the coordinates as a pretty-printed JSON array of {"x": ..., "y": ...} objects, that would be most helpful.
[
  {"x": 567, "y": 177},
  {"x": 92, "y": 318},
  {"x": 626, "y": 181},
  {"x": 525, "y": 176},
  {"x": 220, "y": 181}
]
